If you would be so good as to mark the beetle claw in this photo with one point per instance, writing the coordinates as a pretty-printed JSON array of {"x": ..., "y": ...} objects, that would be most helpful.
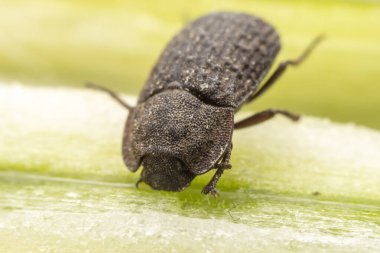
[
  {"x": 208, "y": 189},
  {"x": 214, "y": 193}
]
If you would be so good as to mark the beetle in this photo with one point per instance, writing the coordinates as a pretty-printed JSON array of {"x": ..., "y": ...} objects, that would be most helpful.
[{"x": 183, "y": 122}]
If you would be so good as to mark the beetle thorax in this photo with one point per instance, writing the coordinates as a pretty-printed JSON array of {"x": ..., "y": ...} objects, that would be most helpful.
[{"x": 176, "y": 136}]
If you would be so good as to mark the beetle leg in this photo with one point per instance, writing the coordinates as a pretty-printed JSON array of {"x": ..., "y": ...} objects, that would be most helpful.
[
  {"x": 210, "y": 188},
  {"x": 111, "y": 93},
  {"x": 138, "y": 182},
  {"x": 264, "y": 116},
  {"x": 282, "y": 67}
]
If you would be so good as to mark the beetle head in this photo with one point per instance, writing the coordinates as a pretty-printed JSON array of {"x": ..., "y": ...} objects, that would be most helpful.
[{"x": 165, "y": 173}]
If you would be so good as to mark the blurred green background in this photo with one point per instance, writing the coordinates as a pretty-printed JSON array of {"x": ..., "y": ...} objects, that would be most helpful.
[
  {"x": 61, "y": 193},
  {"x": 116, "y": 43}
]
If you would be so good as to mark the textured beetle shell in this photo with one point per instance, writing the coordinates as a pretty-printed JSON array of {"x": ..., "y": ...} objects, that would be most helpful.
[
  {"x": 177, "y": 124},
  {"x": 220, "y": 58},
  {"x": 186, "y": 108}
]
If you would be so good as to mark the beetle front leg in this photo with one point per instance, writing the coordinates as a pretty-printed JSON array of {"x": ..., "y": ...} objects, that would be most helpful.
[{"x": 210, "y": 188}]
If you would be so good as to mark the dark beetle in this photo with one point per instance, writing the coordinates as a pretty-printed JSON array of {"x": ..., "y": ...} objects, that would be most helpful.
[{"x": 182, "y": 125}]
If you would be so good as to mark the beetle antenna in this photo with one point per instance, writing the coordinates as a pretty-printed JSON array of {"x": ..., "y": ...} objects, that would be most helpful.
[{"x": 110, "y": 92}]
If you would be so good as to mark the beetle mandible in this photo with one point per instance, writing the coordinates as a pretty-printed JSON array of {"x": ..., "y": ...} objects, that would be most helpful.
[{"x": 183, "y": 122}]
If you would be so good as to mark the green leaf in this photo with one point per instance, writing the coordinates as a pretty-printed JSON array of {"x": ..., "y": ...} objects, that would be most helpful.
[{"x": 307, "y": 186}]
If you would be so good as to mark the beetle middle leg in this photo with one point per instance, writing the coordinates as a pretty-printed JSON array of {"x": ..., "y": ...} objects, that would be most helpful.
[
  {"x": 210, "y": 188},
  {"x": 283, "y": 66},
  {"x": 264, "y": 116}
]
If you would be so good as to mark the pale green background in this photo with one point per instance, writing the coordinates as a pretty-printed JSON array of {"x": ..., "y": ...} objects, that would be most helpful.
[{"x": 115, "y": 43}]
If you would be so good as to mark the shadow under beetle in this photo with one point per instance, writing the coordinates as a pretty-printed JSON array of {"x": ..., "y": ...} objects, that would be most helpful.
[{"x": 182, "y": 124}]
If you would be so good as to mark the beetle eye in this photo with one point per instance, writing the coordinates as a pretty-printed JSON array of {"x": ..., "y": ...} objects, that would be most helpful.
[{"x": 165, "y": 173}]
